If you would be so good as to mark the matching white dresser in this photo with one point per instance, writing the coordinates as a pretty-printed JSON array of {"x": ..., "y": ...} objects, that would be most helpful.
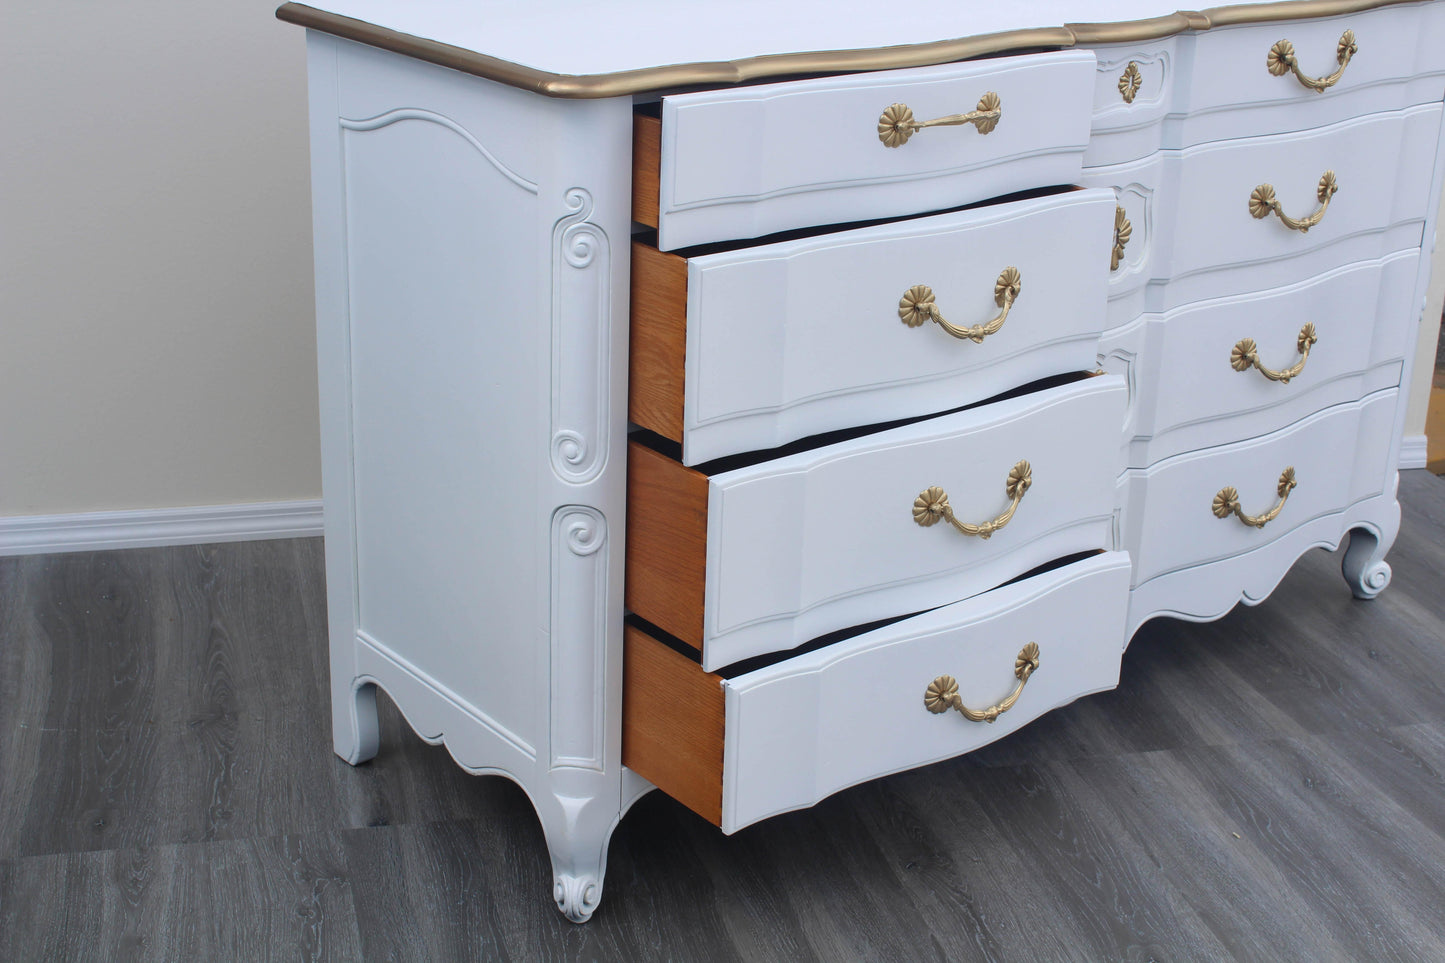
[{"x": 749, "y": 400}]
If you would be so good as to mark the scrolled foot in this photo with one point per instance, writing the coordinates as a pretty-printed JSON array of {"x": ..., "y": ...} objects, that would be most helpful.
[
  {"x": 1370, "y": 581},
  {"x": 577, "y": 896},
  {"x": 1364, "y": 565}
]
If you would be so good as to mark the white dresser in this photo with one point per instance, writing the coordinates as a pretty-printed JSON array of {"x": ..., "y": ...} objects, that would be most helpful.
[{"x": 752, "y": 400}]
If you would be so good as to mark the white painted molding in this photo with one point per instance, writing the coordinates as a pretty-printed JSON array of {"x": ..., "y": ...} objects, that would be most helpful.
[
  {"x": 90, "y": 531},
  {"x": 1413, "y": 452}
]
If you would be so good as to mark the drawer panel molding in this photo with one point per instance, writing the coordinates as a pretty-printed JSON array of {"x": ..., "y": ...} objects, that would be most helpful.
[
  {"x": 1211, "y": 230},
  {"x": 821, "y": 540},
  {"x": 1179, "y": 511},
  {"x": 803, "y": 729},
  {"x": 1234, "y": 82},
  {"x": 1259, "y": 362},
  {"x": 737, "y": 750},
  {"x": 716, "y": 368},
  {"x": 745, "y": 162}
]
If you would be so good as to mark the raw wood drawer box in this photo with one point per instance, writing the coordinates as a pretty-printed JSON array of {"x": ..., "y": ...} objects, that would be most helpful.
[{"x": 751, "y": 410}]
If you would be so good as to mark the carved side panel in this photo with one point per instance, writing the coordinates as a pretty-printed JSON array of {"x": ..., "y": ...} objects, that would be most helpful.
[
  {"x": 581, "y": 332},
  {"x": 1144, "y": 72},
  {"x": 579, "y": 636},
  {"x": 1137, "y": 202}
]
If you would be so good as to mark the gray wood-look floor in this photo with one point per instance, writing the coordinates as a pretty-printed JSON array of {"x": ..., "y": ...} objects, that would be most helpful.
[{"x": 1267, "y": 787}]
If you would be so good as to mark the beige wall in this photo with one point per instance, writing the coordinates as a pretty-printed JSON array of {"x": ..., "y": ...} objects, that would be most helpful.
[
  {"x": 156, "y": 338},
  {"x": 156, "y": 345}
]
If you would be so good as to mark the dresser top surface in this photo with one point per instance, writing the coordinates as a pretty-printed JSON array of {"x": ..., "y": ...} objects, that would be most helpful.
[{"x": 586, "y": 48}]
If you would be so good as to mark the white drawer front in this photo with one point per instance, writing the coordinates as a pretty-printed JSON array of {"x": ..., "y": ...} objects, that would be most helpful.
[
  {"x": 825, "y": 539},
  {"x": 1213, "y": 224},
  {"x": 1338, "y": 455},
  {"x": 1230, "y": 66},
  {"x": 1216, "y": 85},
  {"x": 793, "y": 339},
  {"x": 1362, "y": 316},
  {"x": 743, "y": 162},
  {"x": 1193, "y": 237},
  {"x": 810, "y": 726}
]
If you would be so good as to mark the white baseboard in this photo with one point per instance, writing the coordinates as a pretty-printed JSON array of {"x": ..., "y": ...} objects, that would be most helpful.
[
  {"x": 1413, "y": 452},
  {"x": 91, "y": 531}
]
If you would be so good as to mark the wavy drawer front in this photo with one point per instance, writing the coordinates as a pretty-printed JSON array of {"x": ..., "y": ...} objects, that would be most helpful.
[
  {"x": 793, "y": 339},
  {"x": 1213, "y": 225},
  {"x": 1338, "y": 456},
  {"x": 783, "y": 737},
  {"x": 1193, "y": 236},
  {"x": 1359, "y": 318},
  {"x": 1217, "y": 85},
  {"x": 825, "y": 539},
  {"x": 1272, "y": 63},
  {"x": 744, "y": 162}
]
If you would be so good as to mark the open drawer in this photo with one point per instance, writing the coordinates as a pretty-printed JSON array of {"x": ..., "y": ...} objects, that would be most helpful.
[
  {"x": 720, "y": 165},
  {"x": 739, "y": 749},
  {"x": 747, "y": 349},
  {"x": 761, "y": 558}
]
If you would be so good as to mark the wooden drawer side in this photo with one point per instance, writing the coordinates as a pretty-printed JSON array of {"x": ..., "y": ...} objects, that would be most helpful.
[
  {"x": 672, "y": 723},
  {"x": 666, "y": 543},
  {"x": 658, "y": 341},
  {"x": 646, "y": 163}
]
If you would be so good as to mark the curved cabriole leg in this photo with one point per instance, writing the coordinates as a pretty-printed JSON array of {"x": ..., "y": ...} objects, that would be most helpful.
[
  {"x": 1364, "y": 564},
  {"x": 578, "y": 831},
  {"x": 355, "y": 731}
]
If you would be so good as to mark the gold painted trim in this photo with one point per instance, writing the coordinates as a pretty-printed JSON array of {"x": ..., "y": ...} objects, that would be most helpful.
[
  {"x": 1133, "y": 31},
  {"x": 917, "y": 307},
  {"x": 646, "y": 79},
  {"x": 942, "y": 693}
]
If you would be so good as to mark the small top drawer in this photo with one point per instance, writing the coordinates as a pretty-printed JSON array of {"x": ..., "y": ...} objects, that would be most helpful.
[
  {"x": 1312, "y": 63},
  {"x": 741, "y": 163},
  {"x": 1248, "y": 80}
]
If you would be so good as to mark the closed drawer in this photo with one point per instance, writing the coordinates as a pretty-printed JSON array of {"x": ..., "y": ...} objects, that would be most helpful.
[
  {"x": 749, "y": 349},
  {"x": 1218, "y": 84},
  {"x": 743, "y": 162},
  {"x": 736, "y": 750},
  {"x": 758, "y": 559},
  {"x": 1193, "y": 212},
  {"x": 1182, "y": 512},
  {"x": 1259, "y": 362},
  {"x": 1313, "y": 71}
]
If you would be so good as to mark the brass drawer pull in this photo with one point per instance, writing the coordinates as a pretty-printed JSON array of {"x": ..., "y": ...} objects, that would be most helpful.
[
  {"x": 1245, "y": 355},
  {"x": 1130, "y": 81},
  {"x": 1226, "y": 501},
  {"x": 917, "y": 306},
  {"x": 942, "y": 693},
  {"x": 1281, "y": 60},
  {"x": 932, "y": 504},
  {"x": 896, "y": 124},
  {"x": 1262, "y": 203},
  {"x": 1123, "y": 230}
]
